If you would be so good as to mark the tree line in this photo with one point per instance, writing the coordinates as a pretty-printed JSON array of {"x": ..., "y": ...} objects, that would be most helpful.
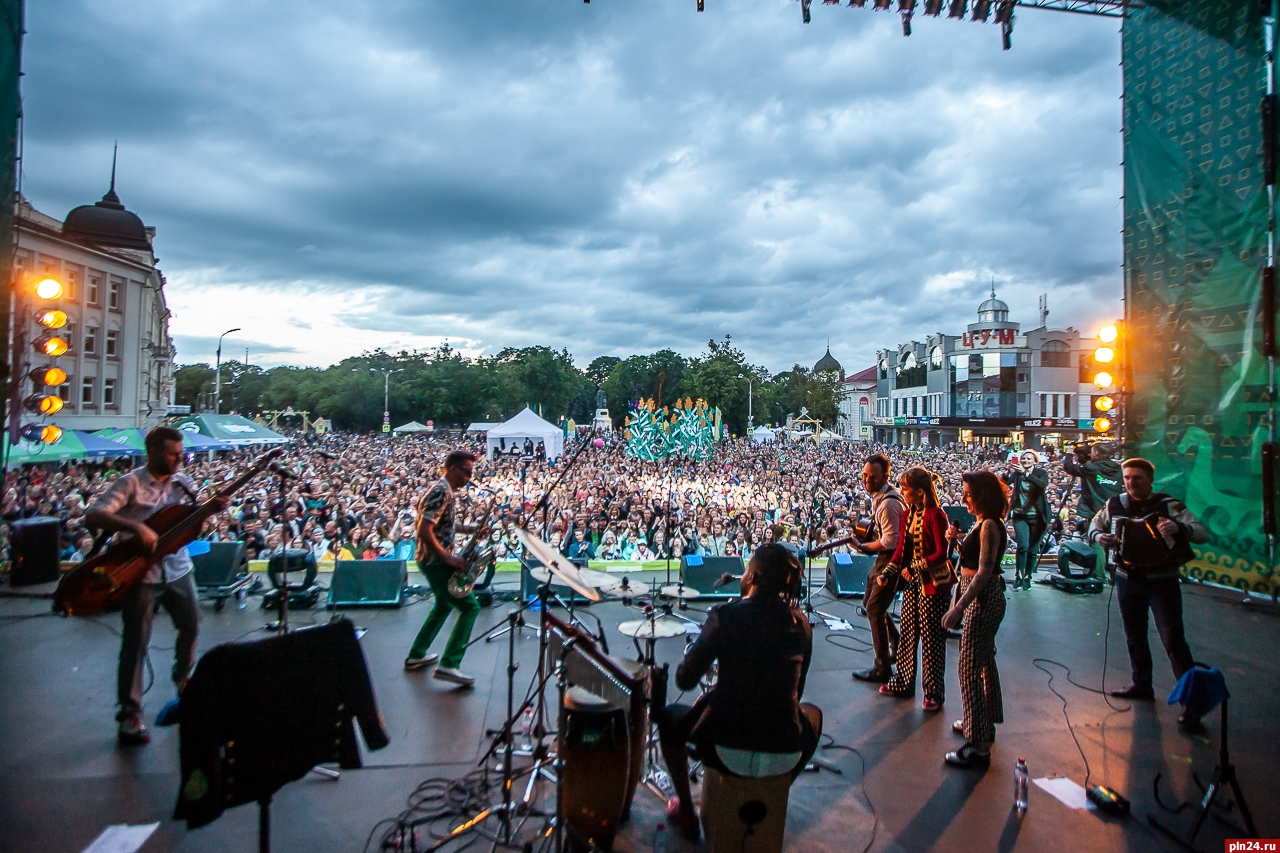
[{"x": 451, "y": 389}]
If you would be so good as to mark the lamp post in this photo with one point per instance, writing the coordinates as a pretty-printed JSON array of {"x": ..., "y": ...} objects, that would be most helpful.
[
  {"x": 217, "y": 379},
  {"x": 750, "y": 422},
  {"x": 386, "y": 392}
]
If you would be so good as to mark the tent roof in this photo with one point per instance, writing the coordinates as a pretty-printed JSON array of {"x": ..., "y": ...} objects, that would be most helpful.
[
  {"x": 412, "y": 426},
  {"x": 97, "y": 446},
  {"x": 525, "y": 423},
  {"x": 232, "y": 429},
  {"x": 481, "y": 426},
  {"x": 69, "y": 447}
]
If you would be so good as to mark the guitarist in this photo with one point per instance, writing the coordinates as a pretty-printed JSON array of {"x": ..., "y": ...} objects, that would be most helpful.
[
  {"x": 124, "y": 508},
  {"x": 437, "y": 561}
]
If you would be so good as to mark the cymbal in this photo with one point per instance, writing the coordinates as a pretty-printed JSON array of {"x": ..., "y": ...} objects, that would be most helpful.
[
  {"x": 559, "y": 565},
  {"x": 658, "y": 629},
  {"x": 679, "y": 591},
  {"x": 603, "y": 581}
]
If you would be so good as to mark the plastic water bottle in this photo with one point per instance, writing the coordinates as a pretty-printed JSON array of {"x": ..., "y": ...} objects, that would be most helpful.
[
  {"x": 1021, "y": 778},
  {"x": 526, "y": 726},
  {"x": 242, "y": 596}
]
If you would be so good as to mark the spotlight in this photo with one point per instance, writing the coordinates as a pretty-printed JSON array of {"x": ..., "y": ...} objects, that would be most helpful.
[
  {"x": 47, "y": 434},
  {"x": 933, "y": 8},
  {"x": 51, "y": 376},
  {"x": 51, "y": 318},
  {"x": 906, "y": 23},
  {"x": 1108, "y": 334},
  {"x": 981, "y": 10},
  {"x": 1104, "y": 355},
  {"x": 43, "y": 404},
  {"x": 804, "y": 9},
  {"x": 859, "y": 3},
  {"x": 883, "y": 5},
  {"x": 957, "y": 8},
  {"x": 906, "y": 7},
  {"x": 49, "y": 288},
  {"x": 1004, "y": 11},
  {"x": 1105, "y": 403},
  {"x": 1102, "y": 424},
  {"x": 50, "y": 344},
  {"x": 1103, "y": 379}
]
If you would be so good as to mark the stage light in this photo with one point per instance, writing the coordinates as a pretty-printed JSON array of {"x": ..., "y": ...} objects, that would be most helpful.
[
  {"x": 1103, "y": 380},
  {"x": 1102, "y": 424},
  {"x": 981, "y": 10},
  {"x": 1104, "y": 355},
  {"x": 906, "y": 6},
  {"x": 933, "y": 8},
  {"x": 1105, "y": 403},
  {"x": 43, "y": 404},
  {"x": 1004, "y": 11},
  {"x": 51, "y": 345},
  {"x": 51, "y": 376},
  {"x": 1108, "y": 334},
  {"x": 48, "y": 434},
  {"x": 49, "y": 288},
  {"x": 859, "y": 3},
  {"x": 957, "y": 8},
  {"x": 883, "y": 5},
  {"x": 51, "y": 318}
]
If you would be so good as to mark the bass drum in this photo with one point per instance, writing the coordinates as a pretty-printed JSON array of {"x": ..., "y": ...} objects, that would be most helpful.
[
  {"x": 637, "y": 725},
  {"x": 596, "y": 750}
]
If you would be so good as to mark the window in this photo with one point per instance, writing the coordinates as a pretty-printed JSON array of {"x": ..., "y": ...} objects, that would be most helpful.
[
  {"x": 113, "y": 295},
  {"x": 94, "y": 290},
  {"x": 1055, "y": 354},
  {"x": 935, "y": 358},
  {"x": 64, "y": 391},
  {"x": 73, "y": 283},
  {"x": 86, "y": 391},
  {"x": 112, "y": 337},
  {"x": 108, "y": 392},
  {"x": 90, "y": 340}
]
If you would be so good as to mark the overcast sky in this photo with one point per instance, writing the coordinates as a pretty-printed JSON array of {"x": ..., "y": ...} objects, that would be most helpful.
[{"x": 613, "y": 178}]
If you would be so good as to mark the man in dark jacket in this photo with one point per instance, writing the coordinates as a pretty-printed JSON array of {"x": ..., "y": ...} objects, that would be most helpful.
[
  {"x": 1100, "y": 476},
  {"x": 752, "y": 722},
  {"x": 1029, "y": 512}
]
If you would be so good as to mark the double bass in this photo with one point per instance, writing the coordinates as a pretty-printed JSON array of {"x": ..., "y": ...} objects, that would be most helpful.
[{"x": 98, "y": 584}]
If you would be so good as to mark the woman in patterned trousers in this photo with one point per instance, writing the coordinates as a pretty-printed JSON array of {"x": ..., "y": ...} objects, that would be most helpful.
[
  {"x": 922, "y": 554},
  {"x": 981, "y": 603}
]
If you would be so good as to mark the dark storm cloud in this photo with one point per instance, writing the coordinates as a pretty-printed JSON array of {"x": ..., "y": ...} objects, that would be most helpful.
[{"x": 613, "y": 178}]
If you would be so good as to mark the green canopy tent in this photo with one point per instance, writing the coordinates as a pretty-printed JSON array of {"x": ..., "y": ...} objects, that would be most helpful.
[
  {"x": 24, "y": 452},
  {"x": 193, "y": 441},
  {"x": 233, "y": 429}
]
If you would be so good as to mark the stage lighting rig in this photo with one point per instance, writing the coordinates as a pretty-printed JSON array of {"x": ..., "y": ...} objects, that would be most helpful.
[{"x": 1108, "y": 372}]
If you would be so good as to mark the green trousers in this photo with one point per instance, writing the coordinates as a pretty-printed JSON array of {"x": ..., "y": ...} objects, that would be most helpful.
[
  {"x": 1027, "y": 532},
  {"x": 468, "y": 608}
]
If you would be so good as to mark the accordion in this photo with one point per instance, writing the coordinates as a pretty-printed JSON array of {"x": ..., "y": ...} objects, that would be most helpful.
[{"x": 1141, "y": 544}]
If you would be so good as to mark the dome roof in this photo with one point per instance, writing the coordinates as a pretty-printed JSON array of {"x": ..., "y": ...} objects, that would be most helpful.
[
  {"x": 993, "y": 310},
  {"x": 827, "y": 362},
  {"x": 107, "y": 223},
  {"x": 993, "y": 304}
]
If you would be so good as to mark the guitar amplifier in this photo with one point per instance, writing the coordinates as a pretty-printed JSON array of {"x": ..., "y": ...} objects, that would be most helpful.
[
  {"x": 847, "y": 574},
  {"x": 35, "y": 551},
  {"x": 367, "y": 583},
  {"x": 701, "y": 573}
]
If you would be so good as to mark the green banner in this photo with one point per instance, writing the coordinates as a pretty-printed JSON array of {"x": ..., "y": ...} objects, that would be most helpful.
[{"x": 1195, "y": 244}]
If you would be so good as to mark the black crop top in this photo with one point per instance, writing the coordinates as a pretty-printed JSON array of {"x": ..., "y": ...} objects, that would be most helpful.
[{"x": 971, "y": 547}]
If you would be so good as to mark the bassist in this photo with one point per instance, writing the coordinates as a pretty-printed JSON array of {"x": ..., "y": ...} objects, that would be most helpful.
[{"x": 123, "y": 508}]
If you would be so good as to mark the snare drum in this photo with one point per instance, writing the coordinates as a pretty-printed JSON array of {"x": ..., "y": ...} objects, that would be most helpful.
[{"x": 596, "y": 751}]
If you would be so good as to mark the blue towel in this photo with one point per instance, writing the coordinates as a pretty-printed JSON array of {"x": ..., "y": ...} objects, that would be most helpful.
[
  {"x": 1200, "y": 690},
  {"x": 168, "y": 715}
]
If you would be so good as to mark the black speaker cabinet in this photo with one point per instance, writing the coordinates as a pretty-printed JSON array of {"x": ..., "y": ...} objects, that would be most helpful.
[
  {"x": 220, "y": 565},
  {"x": 529, "y": 586},
  {"x": 701, "y": 573},
  {"x": 960, "y": 517},
  {"x": 847, "y": 574},
  {"x": 368, "y": 583},
  {"x": 35, "y": 551}
]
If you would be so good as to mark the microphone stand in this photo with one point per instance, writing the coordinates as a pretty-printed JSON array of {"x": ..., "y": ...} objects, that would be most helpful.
[{"x": 810, "y": 613}]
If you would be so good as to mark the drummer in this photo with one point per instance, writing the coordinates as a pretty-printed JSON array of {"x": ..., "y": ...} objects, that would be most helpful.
[{"x": 752, "y": 722}]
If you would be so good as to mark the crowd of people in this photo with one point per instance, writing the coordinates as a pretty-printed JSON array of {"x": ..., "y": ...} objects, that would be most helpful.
[{"x": 354, "y": 497}]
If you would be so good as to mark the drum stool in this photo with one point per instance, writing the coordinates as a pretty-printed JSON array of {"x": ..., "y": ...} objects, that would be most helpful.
[{"x": 742, "y": 814}]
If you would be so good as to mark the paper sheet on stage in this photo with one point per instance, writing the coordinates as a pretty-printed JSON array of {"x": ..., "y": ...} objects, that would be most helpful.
[
  {"x": 122, "y": 838},
  {"x": 1066, "y": 791}
]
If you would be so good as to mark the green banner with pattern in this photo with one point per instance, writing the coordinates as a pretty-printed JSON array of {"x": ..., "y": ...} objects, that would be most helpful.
[{"x": 1195, "y": 244}]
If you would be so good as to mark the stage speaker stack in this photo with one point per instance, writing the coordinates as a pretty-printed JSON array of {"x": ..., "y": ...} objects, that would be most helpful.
[
  {"x": 701, "y": 573},
  {"x": 847, "y": 574},
  {"x": 368, "y": 583},
  {"x": 220, "y": 565},
  {"x": 35, "y": 551}
]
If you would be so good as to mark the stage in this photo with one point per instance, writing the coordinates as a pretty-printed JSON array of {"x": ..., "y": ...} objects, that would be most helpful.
[{"x": 63, "y": 779}]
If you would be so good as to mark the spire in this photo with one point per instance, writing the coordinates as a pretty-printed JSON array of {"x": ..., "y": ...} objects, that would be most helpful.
[
  {"x": 111, "y": 199},
  {"x": 993, "y": 278}
]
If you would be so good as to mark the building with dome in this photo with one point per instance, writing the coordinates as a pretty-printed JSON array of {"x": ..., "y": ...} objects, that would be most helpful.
[
  {"x": 120, "y": 363},
  {"x": 992, "y": 384},
  {"x": 828, "y": 364}
]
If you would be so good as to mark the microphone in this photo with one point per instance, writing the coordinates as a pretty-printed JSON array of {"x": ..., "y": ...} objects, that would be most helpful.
[
  {"x": 726, "y": 579},
  {"x": 283, "y": 472}
]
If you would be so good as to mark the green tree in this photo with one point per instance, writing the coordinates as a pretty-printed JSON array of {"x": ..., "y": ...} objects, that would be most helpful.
[{"x": 189, "y": 382}]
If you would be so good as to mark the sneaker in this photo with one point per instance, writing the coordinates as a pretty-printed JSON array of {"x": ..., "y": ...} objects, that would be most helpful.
[
  {"x": 454, "y": 676},
  {"x": 897, "y": 693},
  {"x": 958, "y": 727},
  {"x": 931, "y": 704},
  {"x": 876, "y": 675},
  {"x": 132, "y": 732},
  {"x": 423, "y": 662},
  {"x": 968, "y": 758}
]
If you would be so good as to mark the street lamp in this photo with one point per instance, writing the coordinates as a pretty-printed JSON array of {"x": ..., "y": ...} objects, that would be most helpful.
[
  {"x": 386, "y": 399},
  {"x": 217, "y": 380},
  {"x": 750, "y": 422}
]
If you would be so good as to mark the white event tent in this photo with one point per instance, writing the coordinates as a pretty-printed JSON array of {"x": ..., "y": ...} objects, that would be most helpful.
[
  {"x": 763, "y": 434},
  {"x": 526, "y": 425},
  {"x": 411, "y": 426}
]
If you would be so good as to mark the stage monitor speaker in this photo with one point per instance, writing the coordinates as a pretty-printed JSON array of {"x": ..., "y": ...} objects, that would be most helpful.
[
  {"x": 368, "y": 583},
  {"x": 847, "y": 574},
  {"x": 35, "y": 551},
  {"x": 529, "y": 586},
  {"x": 220, "y": 565},
  {"x": 960, "y": 517},
  {"x": 701, "y": 573}
]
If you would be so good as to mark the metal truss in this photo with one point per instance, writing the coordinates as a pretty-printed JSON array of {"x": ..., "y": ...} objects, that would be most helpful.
[{"x": 1105, "y": 8}]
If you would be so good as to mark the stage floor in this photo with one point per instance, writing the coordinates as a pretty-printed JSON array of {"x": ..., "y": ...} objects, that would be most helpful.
[{"x": 63, "y": 779}]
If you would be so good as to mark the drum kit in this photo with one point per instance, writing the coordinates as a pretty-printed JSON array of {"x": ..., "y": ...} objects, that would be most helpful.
[{"x": 605, "y": 745}]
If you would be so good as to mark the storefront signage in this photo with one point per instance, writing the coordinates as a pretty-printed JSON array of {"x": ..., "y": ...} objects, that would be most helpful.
[{"x": 988, "y": 338}]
